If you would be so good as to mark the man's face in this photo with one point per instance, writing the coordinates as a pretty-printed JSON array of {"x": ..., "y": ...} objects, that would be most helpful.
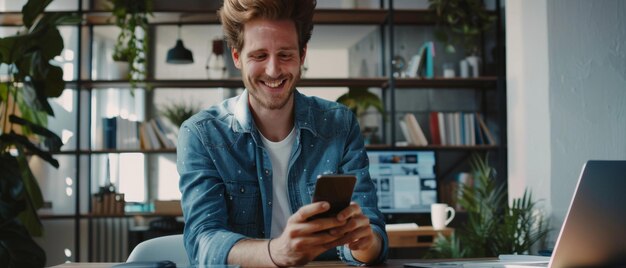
[{"x": 269, "y": 62}]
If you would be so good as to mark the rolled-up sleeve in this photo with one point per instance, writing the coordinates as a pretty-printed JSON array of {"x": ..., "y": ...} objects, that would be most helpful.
[
  {"x": 207, "y": 238},
  {"x": 355, "y": 161}
]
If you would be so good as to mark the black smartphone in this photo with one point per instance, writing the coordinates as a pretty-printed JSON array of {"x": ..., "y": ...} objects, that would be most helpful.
[{"x": 336, "y": 190}]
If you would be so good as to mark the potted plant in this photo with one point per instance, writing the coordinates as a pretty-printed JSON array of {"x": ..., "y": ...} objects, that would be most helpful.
[
  {"x": 461, "y": 22},
  {"x": 360, "y": 100},
  {"x": 494, "y": 226},
  {"x": 177, "y": 113},
  {"x": 132, "y": 45},
  {"x": 32, "y": 79}
]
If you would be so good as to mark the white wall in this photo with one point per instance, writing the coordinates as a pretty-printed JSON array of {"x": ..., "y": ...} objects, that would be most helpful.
[
  {"x": 566, "y": 86},
  {"x": 527, "y": 98}
]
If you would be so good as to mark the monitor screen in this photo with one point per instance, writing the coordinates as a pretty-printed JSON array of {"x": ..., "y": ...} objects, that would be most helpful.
[{"x": 405, "y": 180}]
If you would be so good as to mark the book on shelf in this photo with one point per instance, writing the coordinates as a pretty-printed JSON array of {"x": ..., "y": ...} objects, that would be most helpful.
[
  {"x": 144, "y": 139},
  {"x": 434, "y": 128},
  {"x": 415, "y": 130},
  {"x": 412, "y": 68},
  {"x": 457, "y": 126},
  {"x": 429, "y": 61},
  {"x": 120, "y": 133},
  {"x": 487, "y": 133},
  {"x": 428, "y": 70},
  {"x": 422, "y": 63},
  {"x": 151, "y": 139},
  {"x": 405, "y": 132},
  {"x": 442, "y": 128},
  {"x": 170, "y": 130},
  {"x": 109, "y": 131},
  {"x": 160, "y": 131},
  {"x": 459, "y": 129}
]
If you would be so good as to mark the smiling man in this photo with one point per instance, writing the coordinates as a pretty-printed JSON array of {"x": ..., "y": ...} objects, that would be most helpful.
[{"x": 248, "y": 166}]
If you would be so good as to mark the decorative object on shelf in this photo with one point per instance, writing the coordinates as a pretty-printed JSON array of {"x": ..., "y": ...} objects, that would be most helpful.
[
  {"x": 448, "y": 70},
  {"x": 474, "y": 63},
  {"x": 422, "y": 63},
  {"x": 461, "y": 21},
  {"x": 359, "y": 100},
  {"x": 132, "y": 45},
  {"x": 398, "y": 65},
  {"x": 179, "y": 54},
  {"x": 216, "y": 64},
  {"x": 464, "y": 68},
  {"x": 24, "y": 110},
  {"x": 178, "y": 112},
  {"x": 108, "y": 202},
  {"x": 494, "y": 226}
]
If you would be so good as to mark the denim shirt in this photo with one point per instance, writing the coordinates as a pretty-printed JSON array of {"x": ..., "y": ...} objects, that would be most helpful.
[{"x": 226, "y": 174}]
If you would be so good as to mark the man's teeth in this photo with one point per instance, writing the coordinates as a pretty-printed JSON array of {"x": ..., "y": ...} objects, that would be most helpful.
[{"x": 273, "y": 83}]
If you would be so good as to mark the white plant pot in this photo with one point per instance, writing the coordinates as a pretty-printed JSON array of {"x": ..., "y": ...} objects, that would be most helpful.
[{"x": 120, "y": 70}]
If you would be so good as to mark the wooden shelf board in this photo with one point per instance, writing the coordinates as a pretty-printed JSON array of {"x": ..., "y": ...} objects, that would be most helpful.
[
  {"x": 235, "y": 82},
  {"x": 488, "y": 82},
  {"x": 93, "y": 216},
  {"x": 228, "y": 83},
  {"x": 113, "y": 151},
  {"x": 194, "y": 16},
  {"x": 374, "y": 147},
  {"x": 382, "y": 147},
  {"x": 208, "y": 16}
]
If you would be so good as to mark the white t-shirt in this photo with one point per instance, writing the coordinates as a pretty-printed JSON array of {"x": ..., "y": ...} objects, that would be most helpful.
[{"x": 279, "y": 155}]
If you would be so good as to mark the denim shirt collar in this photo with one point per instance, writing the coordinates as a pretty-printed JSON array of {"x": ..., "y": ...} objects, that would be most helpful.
[{"x": 244, "y": 122}]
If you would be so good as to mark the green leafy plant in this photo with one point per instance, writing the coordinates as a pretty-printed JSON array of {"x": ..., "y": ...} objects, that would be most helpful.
[
  {"x": 24, "y": 108},
  {"x": 359, "y": 100},
  {"x": 461, "y": 22},
  {"x": 177, "y": 113},
  {"x": 131, "y": 46},
  {"x": 494, "y": 227}
]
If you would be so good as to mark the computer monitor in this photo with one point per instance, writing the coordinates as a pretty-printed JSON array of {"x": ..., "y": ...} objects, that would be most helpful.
[{"x": 405, "y": 180}]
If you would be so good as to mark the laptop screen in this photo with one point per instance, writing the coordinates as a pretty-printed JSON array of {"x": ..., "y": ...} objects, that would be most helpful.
[{"x": 405, "y": 180}]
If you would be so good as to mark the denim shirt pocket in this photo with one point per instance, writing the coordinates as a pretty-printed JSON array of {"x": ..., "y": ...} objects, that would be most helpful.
[
  {"x": 310, "y": 190},
  {"x": 243, "y": 199}
]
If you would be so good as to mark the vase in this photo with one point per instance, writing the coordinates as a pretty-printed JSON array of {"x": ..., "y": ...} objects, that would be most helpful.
[{"x": 120, "y": 70}]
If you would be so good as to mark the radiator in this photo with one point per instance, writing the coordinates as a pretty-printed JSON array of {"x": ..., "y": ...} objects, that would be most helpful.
[{"x": 109, "y": 239}]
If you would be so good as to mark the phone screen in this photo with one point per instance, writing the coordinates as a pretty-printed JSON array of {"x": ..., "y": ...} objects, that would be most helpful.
[{"x": 336, "y": 190}]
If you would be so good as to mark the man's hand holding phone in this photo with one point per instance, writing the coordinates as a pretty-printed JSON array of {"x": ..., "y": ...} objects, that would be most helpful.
[
  {"x": 304, "y": 239},
  {"x": 330, "y": 221},
  {"x": 356, "y": 232}
]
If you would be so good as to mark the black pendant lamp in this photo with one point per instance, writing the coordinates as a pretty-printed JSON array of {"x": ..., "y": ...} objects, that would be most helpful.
[{"x": 179, "y": 54}]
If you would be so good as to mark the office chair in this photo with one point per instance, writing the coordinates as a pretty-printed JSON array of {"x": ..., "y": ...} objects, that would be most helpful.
[{"x": 169, "y": 247}]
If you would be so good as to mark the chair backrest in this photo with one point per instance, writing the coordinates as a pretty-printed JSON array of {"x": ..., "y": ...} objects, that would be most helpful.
[{"x": 169, "y": 248}]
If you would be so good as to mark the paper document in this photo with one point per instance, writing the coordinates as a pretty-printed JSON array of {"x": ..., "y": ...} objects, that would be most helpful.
[{"x": 401, "y": 227}]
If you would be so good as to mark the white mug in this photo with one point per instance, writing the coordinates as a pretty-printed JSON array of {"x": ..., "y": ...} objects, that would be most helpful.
[{"x": 440, "y": 215}]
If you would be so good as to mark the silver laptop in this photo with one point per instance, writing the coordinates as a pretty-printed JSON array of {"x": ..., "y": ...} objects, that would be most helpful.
[{"x": 594, "y": 230}]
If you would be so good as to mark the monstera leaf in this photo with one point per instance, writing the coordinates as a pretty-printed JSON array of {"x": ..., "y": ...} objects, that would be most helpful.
[{"x": 33, "y": 79}]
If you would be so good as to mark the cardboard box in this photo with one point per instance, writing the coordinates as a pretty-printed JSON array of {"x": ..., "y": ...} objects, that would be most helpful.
[{"x": 170, "y": 207}]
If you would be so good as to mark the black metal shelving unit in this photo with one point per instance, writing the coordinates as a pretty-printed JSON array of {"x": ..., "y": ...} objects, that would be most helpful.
[{"x": 385, "y": 17}]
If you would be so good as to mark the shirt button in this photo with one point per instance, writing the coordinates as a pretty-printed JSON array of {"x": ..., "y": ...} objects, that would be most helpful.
[
  {"x": 242, "y": 190},
  {"x": 267, "y": 172},
  {"x": 269, "y": 203}
]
